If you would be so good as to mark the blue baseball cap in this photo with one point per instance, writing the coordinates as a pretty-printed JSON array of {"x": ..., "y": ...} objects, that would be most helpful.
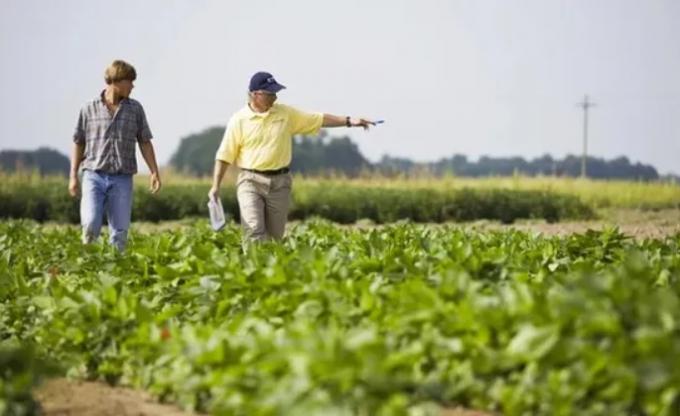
[{"x": 264, "y": 81}]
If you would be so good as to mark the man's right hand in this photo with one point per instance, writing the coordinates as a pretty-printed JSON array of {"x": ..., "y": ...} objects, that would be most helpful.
[
  {"x": 214, "y": 193},
  {"x": 73, "y": 186}
]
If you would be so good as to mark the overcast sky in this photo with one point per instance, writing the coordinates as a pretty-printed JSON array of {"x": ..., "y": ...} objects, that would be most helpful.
[{"x": 498, "y": 78}]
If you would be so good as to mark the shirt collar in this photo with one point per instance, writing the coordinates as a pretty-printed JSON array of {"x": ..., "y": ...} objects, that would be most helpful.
[
  {"x": 253, "y": 114},
  {"x": 103, "y": 101}
]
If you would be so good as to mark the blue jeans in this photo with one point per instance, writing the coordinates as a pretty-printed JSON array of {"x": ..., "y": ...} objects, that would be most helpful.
[{"x": 102, "y": 192}]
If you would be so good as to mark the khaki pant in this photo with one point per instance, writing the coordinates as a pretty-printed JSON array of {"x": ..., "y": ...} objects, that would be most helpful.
[{"x": 264, "y": 202}]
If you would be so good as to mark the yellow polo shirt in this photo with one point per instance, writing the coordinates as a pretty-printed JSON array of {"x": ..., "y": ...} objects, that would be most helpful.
[{"x": 263, "y": 141}]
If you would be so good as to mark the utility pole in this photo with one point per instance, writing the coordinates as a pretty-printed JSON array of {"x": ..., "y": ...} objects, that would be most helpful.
[{"x": 585, "y": 105}]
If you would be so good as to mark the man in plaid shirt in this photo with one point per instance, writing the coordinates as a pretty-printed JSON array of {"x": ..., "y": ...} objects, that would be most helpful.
[{"x": 107, "y": 132}]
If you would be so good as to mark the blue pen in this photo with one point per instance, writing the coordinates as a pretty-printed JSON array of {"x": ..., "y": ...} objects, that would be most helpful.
[{"x": 378, "y": 122}]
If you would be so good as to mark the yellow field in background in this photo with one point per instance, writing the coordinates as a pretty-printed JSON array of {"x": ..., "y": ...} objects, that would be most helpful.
[{"x": 597, "y": 193}]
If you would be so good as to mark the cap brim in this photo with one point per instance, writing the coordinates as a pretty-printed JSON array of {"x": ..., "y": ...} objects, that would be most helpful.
[{"x": 274, "y": 87}]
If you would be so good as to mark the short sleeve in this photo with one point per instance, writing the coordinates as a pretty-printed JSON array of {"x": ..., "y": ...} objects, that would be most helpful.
[
  {"x": 79, "y": 132},
  {"x": 305, "y": 123},
  {"x": 229, "y": 148},
  {"x": 143, "y": 130}
]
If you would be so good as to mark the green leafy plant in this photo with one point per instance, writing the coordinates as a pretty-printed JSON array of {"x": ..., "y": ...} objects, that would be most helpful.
[{"x": 398, "y": 319}]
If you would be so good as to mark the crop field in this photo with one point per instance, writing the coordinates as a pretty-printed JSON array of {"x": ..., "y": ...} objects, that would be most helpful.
[
  {"x": 378, "y": 200},
  {"x": 402, "y": 319},
  {"x": 387, "y": 297}
]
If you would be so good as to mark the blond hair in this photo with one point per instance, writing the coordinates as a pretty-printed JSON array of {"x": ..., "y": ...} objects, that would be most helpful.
[{"x": 119, "y": 71}]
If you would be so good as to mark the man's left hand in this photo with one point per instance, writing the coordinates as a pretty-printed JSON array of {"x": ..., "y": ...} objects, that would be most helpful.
[{"x": 154, "y": 183}]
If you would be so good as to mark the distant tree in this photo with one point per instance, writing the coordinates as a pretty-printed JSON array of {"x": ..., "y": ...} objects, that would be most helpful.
[
  {"x": 340, "y": 155},
  {"x": 544, "y": 165},
  {"x": 309, "y": 156},
  {"x": 44, "y": 160},
  {"x": 391, "y": 166},
  {"x": 323, "y": 154},
  {"x": 196, "y": 152}
]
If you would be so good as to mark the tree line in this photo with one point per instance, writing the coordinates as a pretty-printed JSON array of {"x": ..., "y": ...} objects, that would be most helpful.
[
  {"x": 324, "y": 155},
  {"x": 45, "y": 161}
]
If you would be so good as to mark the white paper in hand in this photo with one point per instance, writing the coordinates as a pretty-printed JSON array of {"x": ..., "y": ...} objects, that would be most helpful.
[{"x": 216, "y": 211}]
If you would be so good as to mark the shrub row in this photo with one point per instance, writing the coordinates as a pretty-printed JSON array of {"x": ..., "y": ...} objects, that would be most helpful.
[{"x": 336, "y": 202}]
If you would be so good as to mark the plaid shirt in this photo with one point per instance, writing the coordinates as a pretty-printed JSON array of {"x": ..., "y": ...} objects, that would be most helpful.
[{"x": 110, "y": 140}]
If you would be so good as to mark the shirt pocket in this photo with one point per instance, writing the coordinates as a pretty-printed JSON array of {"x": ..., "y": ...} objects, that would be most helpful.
[{"x": 127, "y": 127}]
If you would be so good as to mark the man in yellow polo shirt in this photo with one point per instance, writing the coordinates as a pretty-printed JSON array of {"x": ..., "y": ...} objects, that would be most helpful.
[{"x": 258, "y": 140}]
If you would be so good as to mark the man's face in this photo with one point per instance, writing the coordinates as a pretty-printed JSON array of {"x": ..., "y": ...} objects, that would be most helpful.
[
  {"x": 123, "y": 88},
  {"x": 263, "y": 99}
]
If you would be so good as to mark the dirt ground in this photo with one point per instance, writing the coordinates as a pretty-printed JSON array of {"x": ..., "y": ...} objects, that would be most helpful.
[
  {"x": 63, "y": 397},
  {"x": 638, "y": 224}
]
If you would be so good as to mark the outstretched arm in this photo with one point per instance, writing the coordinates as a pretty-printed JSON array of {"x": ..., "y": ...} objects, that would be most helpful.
[{"x": 330, "y": 120}]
